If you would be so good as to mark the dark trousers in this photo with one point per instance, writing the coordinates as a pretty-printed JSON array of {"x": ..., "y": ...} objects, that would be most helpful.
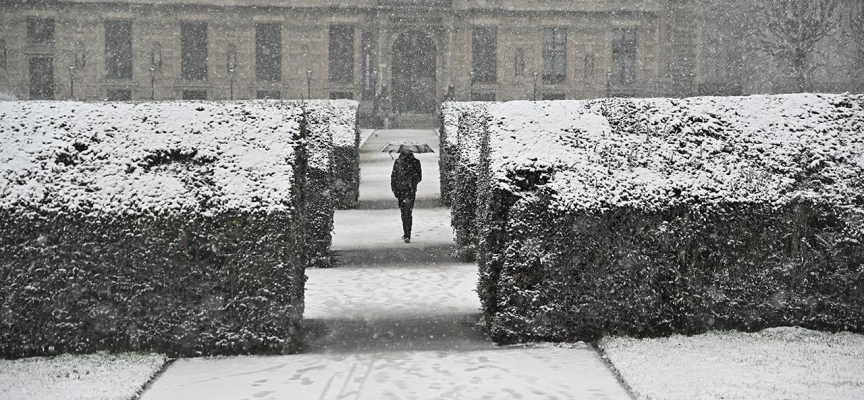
[{"x": 406, "y": 206}]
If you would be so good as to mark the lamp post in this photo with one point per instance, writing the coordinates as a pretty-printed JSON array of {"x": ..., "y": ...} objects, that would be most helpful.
[
  {"x": 155, "y": 66},
  {"x": 79, "y": 62},
  {"x": 72, "y": 81},
  {"x": 608, "y": 84},
  {"x": 231, "y": 67},
  {"x": 535, "y": 85},
  {"x": 309, "y": 84},
  {"x": 374, "y": 93},
  {"x": 471, "y": 86},
  {"x": 152, "y": 82}
]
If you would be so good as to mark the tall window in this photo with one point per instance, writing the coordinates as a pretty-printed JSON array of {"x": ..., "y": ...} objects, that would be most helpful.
[
  {"x": 41, "y": 78},
  {"x": 118, "y": 49},
  {"x": 554, "y": 55},
  {"x": 193, "y": 51},
  {"x": 484, "y": 54},
  {"x": 40, "y": 30},
  {"x": 341, "y": 53},
  {"x": 624, "y": 56},
  {"x": 368, "y": 67},
  {"x": 268, "y": 52},
  {"x": 3, "y": 53}
]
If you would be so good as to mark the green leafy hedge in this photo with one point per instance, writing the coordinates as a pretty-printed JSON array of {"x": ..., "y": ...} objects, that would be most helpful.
[
  {"x": 346, "y": 153},
  {"x": 449, "y": 137},
  {"x": 569, "y": 276},
  {"x": 463, "y": 210},
  {"x": 171, "y": 227},
  {"x": 320, "y": 179},
  {"x": 182, "y": 284},
  {"x": 652, "y": 217}
]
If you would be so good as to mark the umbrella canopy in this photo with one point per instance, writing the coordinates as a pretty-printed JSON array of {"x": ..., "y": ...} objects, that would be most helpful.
[{"x": 406, "y": 146}]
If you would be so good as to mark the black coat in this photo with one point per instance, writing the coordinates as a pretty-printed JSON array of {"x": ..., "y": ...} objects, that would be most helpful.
[{"x": 405, "y": 176}]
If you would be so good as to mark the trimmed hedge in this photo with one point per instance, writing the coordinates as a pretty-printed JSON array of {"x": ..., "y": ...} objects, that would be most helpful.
[
  {"x": 449, "y": 146},
  {"x": 652, "y": 217},
  {"x": 320, "y": 179},
  {"x": 183, "y": 284},
  {"x": 174, "y": 227},
  {"x": 472, "y": 125},
  {"x": 346, "y": 153},
  {"x": 449, "y": 137}
]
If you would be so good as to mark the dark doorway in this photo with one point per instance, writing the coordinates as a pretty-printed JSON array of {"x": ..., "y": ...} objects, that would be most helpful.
[{"x": 414, "y": 81}]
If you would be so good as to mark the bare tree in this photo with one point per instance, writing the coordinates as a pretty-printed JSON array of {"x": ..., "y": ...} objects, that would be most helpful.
[{"x": 789, "y": 30}]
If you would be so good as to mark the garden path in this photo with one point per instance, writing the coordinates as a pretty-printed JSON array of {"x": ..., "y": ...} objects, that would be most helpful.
[{"x": 395, "y": 320}]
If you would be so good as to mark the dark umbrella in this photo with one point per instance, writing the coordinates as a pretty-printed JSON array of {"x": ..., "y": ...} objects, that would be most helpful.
[{"x": 407, "y": 146}]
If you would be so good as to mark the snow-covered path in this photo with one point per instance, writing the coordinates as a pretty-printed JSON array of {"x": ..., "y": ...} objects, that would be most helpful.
[{"x": 395, "y": 320}]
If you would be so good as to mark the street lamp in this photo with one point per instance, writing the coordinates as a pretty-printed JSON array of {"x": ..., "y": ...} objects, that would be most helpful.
[
  {"x": 155, "y": 66},
  {"x": 375, "y": 92},
  {"x": 79, "y": 62},
  {"x": 535, "y": 85},
  {"x": 471, "y": 86},
  {"x": 231, "y": 66},
  {"x": 608, "y": 84},
  {"x": 72, "y": 81},
  {"x": 309, "y": 84},
  {"x": 152, "y": 82}
]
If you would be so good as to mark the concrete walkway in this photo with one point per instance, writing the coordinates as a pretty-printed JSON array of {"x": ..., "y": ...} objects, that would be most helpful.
[{"x": 395, "y": 320}]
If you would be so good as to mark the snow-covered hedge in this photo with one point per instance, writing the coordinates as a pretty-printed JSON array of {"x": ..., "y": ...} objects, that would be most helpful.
[
  {"x": 472, "y": 127},
  {"x": 654, "y": 216},
  {"x": 319, "y": 182},
  {"x": 177, "y": 227},
  {"x": 448, "y": 140},
  {"x": 448, "y": 137},
  {"x": 346, "y": 152}
]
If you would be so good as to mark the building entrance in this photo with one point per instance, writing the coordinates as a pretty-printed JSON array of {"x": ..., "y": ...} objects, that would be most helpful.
[{"x": 414, "y": 73}]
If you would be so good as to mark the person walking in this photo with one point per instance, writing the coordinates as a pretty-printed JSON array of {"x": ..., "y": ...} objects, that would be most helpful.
[{"x": 403, "y": 182}]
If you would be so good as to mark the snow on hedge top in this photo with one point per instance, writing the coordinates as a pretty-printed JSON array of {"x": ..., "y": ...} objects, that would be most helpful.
[
  {"x": 320, "y": 140},
  {"x": 452, "y": 112},
  {"x": 472, "y": 125},
  {"x": 658, "y": 153},
  {"x": 147, "y": 157},
  {"x": 343, "y": 123}
]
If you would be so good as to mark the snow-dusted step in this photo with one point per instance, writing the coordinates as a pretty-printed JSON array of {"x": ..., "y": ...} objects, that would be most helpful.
[
  {"x": 382, "y": 229},
  {"x": 391, "y": 291},
  {"x": 100, "y": 376},
  {"x": 450, "y": 333},
  {"x": 546, "y": 372}
]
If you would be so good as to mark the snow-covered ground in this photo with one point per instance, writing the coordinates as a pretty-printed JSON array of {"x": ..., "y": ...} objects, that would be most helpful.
[
  {"x": 391, "y": 291},
  {"x": 500, "y": 373},
  {"x": 98, "y": 376},
  {"x": 777, "y": 363},
  {"x": 395, "y": 320}
]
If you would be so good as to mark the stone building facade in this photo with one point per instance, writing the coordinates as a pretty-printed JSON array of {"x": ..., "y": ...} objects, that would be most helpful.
[{"x": 417, "y": 52}]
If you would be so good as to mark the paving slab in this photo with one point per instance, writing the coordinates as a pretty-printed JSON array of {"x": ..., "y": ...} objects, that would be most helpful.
[{"x": 499, "y": 373}]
